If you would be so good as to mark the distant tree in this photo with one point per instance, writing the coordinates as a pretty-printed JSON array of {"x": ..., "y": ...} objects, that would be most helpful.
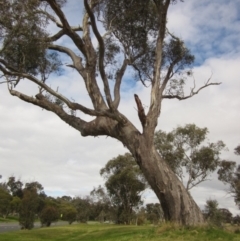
[
  {"x": 28, "y": 209},
  {"x": 15, "y": 187},
  {"x": 154, "y": 212},
  {"x": 102, "y": 207},
  {"x": 34, "y": 186},
  {"x": 212, "y": 213},
  {"x": 124, "y": 183},
  {"x": 237, "y": 150},
  {"x": 48, "y": 215},
  {"x": 15, "y": 204},
  {"x": 37, "y": 188},
  {"x": 83, "y": 207},
  {"x": 4, "y": 186},
  {"x": 184, "y": 151},
  {"x": 5, "y": 202},
  {"x": 236, "y": 219},
  {"x": 66, "y": 199},
  {"x": 226, "y": 215},
  {"x": 232, "y": 177},
  {"x": 226, "y": 171},
  {"x": 235, "y": 186},
  {"x": 141, "y": 216},
  {"x": 68, "y": 213}
]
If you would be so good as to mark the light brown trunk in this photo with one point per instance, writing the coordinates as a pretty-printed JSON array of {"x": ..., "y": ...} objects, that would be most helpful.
[{"x": 177, "y": 204}]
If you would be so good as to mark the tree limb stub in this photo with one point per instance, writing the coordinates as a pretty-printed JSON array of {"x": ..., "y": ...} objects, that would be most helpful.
[{"x": 141, "y": 112}]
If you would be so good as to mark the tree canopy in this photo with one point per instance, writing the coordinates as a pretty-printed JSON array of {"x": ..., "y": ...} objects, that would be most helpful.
[
  {"x": 232, "y": 177},
  {"x": 189, "y": 156}
]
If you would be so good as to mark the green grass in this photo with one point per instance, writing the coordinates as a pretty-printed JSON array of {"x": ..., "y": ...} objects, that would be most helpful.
[
  {"x": 8, "y": 219},
  {"x": 81, "y": 232}
]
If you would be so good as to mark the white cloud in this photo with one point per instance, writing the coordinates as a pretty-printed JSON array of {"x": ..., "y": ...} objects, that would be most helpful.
[{"x": 36, "y": 145}]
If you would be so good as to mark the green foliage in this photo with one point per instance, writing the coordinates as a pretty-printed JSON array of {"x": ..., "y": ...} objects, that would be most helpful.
[
  {"x": 48, "y": 215},
  {"x": 5, "y": 202},
  {"x": 130, "y": 21},
  {"x": 83, "y": 207},
  {"x": 237, "y": 150},
  {"x": 34, "y": 186},
  {"x": 235, "y": 186},
  {"x": 226, "y": 171},
  {"x": 154, "y": 212},
  {"x": 24, "y": 38},
  {"x": 68, "y": 213},
  {"x": 230, "y": 174},
  {"x": 124, "y": 183},
  {"x": 102, "y": 208},
  {"x": 226, "y": 215},
  {"x": 235, "y": 183},
  {"x": 28, "y": 209},
  {"x": 212, "y": 213},
  {"x": 9, "y": 219},
  {"x": 133, "y": 26},
  {"x": 15, "y": 187},
  {"x": 183, "y": 149},
  {"x": 15, "y": 204}
]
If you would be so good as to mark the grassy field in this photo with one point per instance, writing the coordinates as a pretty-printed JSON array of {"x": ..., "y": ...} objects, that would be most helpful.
[
  {"x": 8, "y": 219},
  {"x": 81, "y": 232}
]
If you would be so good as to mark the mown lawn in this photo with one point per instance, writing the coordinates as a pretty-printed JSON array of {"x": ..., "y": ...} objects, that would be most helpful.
[{"x": 81, "y": 232}]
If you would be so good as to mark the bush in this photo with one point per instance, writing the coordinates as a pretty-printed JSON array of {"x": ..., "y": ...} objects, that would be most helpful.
[
  {"x": 28, "y": 209},
  {"x": 48, "y": 215},
  {"x": 69, "y": 214}
]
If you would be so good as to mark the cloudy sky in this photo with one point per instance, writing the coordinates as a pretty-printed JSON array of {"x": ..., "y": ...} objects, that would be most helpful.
[{"x": 36, "y": 145}]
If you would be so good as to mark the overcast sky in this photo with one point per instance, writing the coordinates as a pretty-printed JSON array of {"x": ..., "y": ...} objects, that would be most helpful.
[{"x": 35, "y": 145}]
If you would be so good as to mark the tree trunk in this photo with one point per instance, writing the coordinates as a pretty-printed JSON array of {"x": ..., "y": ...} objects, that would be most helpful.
[{"x": 177, "y": 204}]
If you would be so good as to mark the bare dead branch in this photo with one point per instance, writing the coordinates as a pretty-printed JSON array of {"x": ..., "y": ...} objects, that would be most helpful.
[
  {"x": 141, "y": 112},
  {"x": 191, "y": 94}
]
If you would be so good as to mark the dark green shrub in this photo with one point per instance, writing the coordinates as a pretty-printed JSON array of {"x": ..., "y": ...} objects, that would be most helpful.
[{"x": 48, "y": 215}]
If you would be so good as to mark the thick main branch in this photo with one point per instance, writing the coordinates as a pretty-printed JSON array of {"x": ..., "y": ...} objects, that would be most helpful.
[{"x": 101, "y": 55}]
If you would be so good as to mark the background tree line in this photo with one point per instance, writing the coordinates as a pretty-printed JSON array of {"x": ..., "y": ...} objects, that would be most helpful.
[{"x": 120, "y": 200}]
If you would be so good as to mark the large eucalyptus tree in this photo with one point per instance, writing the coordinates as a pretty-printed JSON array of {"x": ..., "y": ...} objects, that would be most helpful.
[{"x": 135, "y": 38}]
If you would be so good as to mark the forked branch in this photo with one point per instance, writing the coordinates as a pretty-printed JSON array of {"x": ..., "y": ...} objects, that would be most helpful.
[
  {"x": 192, "y": 93},
  {"x": 65, "y": 25}
]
